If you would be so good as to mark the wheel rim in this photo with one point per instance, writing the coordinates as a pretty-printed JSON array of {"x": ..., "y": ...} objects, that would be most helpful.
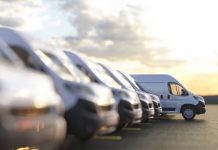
[{"x": 188, "y": 113}]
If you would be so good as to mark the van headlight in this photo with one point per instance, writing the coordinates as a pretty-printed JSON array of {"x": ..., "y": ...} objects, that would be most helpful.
[
  {"x": 199, "y": 98},
  {"x": 144, "y": 105},
  {"x": 152, "y": 97},
  {"x": 30, "y": 111},
  {"x": 195, "y": 97}
]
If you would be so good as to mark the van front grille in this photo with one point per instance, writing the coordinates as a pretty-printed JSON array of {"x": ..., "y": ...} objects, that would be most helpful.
[
  {"x": 150, "y": 105},
  {"x": 136, "y": 106},
  {"x": 29, "y": 111},
  {"x": 106, "y": 108}
]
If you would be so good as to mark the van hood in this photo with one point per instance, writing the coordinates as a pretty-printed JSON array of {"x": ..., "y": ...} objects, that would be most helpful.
[
  {"x": 144, "y": 97},
  {"x": 155, "y": 98},
  {"x": 23, "y": 88},
  {"x": 199, "y": 98},
  {"x": 126, "y": 95},
  {"x": 95, "y": 93}
]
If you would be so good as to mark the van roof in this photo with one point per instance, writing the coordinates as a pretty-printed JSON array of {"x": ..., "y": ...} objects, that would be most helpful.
[
  {"x": 78, "y": 58},
  {"x": 75, "y": 57},
  {"x": 153, "y": 78},
  {"x": 12, "y": 37}
]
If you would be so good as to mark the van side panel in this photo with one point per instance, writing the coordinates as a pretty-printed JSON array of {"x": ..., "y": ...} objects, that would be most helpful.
[
  {"x": 156, "y": 88},
  {"x": 161, "y": 89}
]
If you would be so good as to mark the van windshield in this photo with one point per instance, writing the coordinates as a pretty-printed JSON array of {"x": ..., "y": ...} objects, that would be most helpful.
[
  {"x": 57, "y": 65},
  {"x": 120, "y": 77},
  {"x": 141, "y": 88},
  {"x": 132, "y": 81},
  {"x": 4, "y": 57},
  {"x": 102, "y": 74},
  {"x": 7, "y": 55}
]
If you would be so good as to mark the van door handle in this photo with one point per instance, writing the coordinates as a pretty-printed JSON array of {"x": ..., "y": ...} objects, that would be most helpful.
[
  {"x": 161, "y": 96},
  {"x": 168, "y": 96}
]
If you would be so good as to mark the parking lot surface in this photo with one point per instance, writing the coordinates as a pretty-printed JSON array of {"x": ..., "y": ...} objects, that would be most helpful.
[{"x": 170, "y": 133}]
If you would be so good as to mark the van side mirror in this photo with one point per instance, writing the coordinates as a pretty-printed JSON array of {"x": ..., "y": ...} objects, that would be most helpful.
[{"x": 184, "y": 92}]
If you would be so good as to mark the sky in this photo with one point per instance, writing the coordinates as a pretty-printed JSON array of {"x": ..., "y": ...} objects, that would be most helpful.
[{"x": 176, "y": 37}]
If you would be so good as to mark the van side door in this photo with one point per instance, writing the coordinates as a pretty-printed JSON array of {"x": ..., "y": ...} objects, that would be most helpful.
[{"x": 177, "y": 95}]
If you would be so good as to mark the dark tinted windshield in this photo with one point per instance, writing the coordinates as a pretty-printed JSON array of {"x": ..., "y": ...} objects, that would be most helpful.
[
  {"x": 102, "y": 74},
  {"x": 65, "y": 71},
  {"x": 7, "y": 55}
]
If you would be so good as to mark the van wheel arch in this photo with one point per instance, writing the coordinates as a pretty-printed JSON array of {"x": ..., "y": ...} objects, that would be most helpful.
[
  {"x": 190, "y": 107},
  {"x": 186, "y": 105}
]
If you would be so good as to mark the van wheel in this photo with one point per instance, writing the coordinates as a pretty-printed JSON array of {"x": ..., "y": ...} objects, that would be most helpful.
[
  {"x": 188, "y": 112},
  {"x": 121, "y": 126},
  {"x": 85, "y": 138}
]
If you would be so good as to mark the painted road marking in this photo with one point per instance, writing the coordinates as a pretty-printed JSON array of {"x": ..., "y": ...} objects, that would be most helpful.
[
  {"x": 108, "y": 137},
  {"x": 131, "y": 129},
  {"x": 146, "y": 123}
]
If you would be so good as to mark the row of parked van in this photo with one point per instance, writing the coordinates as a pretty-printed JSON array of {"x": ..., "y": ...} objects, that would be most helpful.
[{"x": 48, "y": 93}]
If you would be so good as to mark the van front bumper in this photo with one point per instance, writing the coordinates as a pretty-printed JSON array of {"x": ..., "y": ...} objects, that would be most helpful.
[
  {"x": 125, "y": 112},
  {"x": 137, "y": 115},
  {"x": 83, "y": 119},
  {"x": 200, "y": 108},
  {"x": 109, "y": 121},
  {"x": 158, "y": 111},
  {"x": 148, "y": 113},
  {"x": 157, "y": 108},
  {"x": 46, "y": 132}
]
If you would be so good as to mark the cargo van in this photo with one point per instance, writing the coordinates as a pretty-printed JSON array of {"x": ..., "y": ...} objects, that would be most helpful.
[
  {"x": 174, "y": 97},
  {"x": 29, "y": 116},
  {"x": 89, "y": 108}
]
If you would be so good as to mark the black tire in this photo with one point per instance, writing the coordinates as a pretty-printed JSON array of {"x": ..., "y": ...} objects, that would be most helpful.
[
  {"x": 120, "y": 126},
  {"x": 188, "y": 112},
  {"x": 84, "y": 138},
  {"x": 145, "y": 119}
]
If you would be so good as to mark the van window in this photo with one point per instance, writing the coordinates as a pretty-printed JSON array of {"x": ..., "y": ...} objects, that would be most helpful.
[
  {"x": 177, "y": 90},
  {"x": 173, "y": 89},
  {"x": 24, "y": 56}
]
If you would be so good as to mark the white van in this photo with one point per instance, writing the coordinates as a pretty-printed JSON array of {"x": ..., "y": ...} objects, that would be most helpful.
[
  {"x": 89, "y": 107},
  {"x": 29, "y": 116},
  {"x": 174, "y": 97}
]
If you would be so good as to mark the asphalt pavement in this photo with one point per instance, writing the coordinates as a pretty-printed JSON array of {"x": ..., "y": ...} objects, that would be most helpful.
[{"x": 169, "y": 133}]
